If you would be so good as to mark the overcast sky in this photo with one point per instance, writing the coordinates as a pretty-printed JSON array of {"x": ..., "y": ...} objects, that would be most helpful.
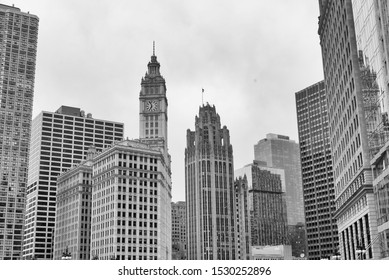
[{"x": 249, "y": 56}]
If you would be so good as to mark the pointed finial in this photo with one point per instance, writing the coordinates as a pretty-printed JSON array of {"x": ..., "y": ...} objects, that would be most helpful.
[{"x": 153, "y": 48}]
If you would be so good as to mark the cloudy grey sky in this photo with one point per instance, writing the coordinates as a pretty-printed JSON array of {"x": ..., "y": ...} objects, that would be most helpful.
[{"x": 250, "y": 56}]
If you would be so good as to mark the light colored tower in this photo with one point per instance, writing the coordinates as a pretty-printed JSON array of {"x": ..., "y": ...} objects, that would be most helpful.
[
  {"x": 18, "y": 48},
  {"x": 59, "y": 141},
  {"x": 317, "y": 173},
  {"x": 153, "y": 104},
  {"x": 354, "y": 64},
  {"x": 131, "y": 203},
  {"x": 209, "y": 185}
]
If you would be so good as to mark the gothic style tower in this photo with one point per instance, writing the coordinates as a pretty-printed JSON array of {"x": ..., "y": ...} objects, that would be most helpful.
[
  {"x": 153, "y": 106},
  {"x": 209, "y": 185}
]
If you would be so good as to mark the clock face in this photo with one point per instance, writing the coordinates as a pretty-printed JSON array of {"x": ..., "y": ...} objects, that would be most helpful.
[{"x": 152, "y": 105}]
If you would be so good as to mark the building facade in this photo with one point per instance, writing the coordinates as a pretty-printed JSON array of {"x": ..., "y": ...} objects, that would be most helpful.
[
  {"x": 317, "y": 173},
  {"x": 372, "y": 36},
  {"x": 267, "y": 211},
  {"x": 59, "y": 141},
  {"x": 179, "y": 230},
  {"x": 279, "y": 151},
  {"x": 73, "y": 211},
  {"x": 356, "y": 121},
  {"x": 131, "y": 197},
  {"x": 209, "y": 186},
  {"x": 18, "y": 48}
]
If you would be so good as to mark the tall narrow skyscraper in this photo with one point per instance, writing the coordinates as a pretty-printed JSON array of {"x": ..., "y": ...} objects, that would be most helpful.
[
  {"x": 59, "y": 141},
  {"x": 18, "y": 48},
  {"x": 317, "y": 173},
  {"x": 353, "y": 61},
  {"x": 209, "y": 185}
]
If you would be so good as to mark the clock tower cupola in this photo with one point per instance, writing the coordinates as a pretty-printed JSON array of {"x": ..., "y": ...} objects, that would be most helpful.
[{"x": 153, "y": 105}]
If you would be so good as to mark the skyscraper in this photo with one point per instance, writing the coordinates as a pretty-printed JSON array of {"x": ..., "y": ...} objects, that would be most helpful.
[
  {"x": 18, "y": 47},
  {"x": 317, "y": 173},
  {"x": 280, "y": 152},
  {"x": 209, "y": 185},
  {"x": 372, "y": 36},
  {"x": 352, "y": 62},
  {"x": 59, "y": 140}
]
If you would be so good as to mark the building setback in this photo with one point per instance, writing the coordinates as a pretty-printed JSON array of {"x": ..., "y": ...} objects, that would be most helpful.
[
  {"x": 317, "y": 173},
  {"x": 354, "y": 123},
  {"x": 209, "y": 185},
  {"x": 179, "y": 230},
  {"x": 59, "y": 141},
  {"x": 18, "y": 48}
]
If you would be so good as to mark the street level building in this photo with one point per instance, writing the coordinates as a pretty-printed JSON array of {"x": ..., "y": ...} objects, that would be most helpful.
[
  {"x": 209, "y": 185},
  {"x": 357, "y": 119},
  {"x": 59, "y": 141},
  {"x": 179, "y": 230},
  {"x": 18, "y": 49},
  {"x": 317, "y": 173}
]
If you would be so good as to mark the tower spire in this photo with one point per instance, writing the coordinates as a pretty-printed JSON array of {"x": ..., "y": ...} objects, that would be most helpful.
[{"x": 153, "y": 48}]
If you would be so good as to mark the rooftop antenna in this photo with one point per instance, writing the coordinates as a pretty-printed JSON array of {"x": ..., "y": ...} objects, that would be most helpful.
[{"x": 202, "y": 99}]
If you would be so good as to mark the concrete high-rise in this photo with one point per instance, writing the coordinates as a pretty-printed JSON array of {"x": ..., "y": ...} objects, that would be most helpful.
[
  {"x": 317, "y": 173},
  {"x": 179, "y": 230},
  {"x": 355, "y": 70},
  {"x": 279, "y": 151},
  {"x": 18, "y": 48},
  {"x": 209, "y": 185},
  {"x": 59, "y": 140},
  {"x": 131, "y": 211}
]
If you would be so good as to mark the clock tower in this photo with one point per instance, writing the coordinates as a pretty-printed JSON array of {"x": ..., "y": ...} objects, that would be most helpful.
[{"x": 153, "y": 106}]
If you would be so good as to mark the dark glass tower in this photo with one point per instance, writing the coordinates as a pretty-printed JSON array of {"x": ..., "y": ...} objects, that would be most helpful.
[{"x": 317, "y": 174}]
